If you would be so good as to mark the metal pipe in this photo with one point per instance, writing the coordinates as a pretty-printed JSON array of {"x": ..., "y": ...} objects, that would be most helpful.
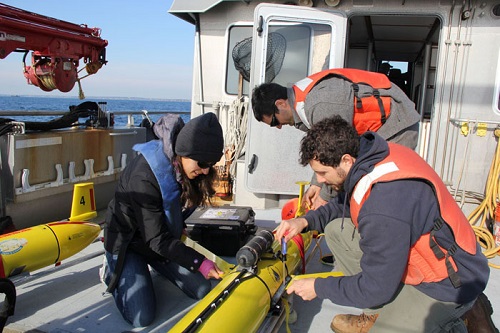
[
  {"x": 200, "y": 67},
  {"x": 467, "y": 16},
  {"x": 457, "y": 43},
  {"x": 443, "y": 84},
  {"x": 423, "y": 90},
  {"x": 30, "y": 113},
  {"x": 369, "y": 56},
  {"x": 467, "y": 120},
  {"x": 425, "y": 79}
]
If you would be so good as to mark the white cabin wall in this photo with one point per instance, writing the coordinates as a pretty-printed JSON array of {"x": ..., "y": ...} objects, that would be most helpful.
[
  {"x": 356, "y": 58},
  {"x": 214, "y": 25},
  {"x": 461, "y": 80},
  {"x": 464, "y": 90}
]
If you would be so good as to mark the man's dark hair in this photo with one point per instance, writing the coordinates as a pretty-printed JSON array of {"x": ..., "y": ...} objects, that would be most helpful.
[
  {"x": 263, "y": 98},
  {"x": 328, "y": 140}
]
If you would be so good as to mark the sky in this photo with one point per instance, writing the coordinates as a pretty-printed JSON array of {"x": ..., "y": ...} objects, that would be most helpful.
[{"x": 150, "y": 52}]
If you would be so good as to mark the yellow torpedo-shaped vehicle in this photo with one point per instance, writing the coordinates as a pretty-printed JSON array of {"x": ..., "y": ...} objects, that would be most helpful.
[
  {"x": 251, "y": 296},
  {"x": 249, "y": 291},
  {"x": 33, "y": 248}
]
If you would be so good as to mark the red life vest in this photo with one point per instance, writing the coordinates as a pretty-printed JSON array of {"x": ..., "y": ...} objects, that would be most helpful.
[
  {"x": 370, "y": 112},
  {"x": 428, "y": 262}
]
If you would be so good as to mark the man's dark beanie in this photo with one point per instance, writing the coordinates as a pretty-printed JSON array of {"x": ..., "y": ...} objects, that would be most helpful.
[{"x": 201, "y": 139}]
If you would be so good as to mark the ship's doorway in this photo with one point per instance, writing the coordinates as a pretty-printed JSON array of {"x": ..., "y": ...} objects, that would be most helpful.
[
  {"x": 317, "y": 39},
  {"x": 406, "y": 44}
]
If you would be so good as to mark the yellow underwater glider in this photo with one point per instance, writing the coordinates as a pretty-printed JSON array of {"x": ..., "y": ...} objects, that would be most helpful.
[
  {"x": 251, "y": 296},
  {"x": 252, "y": 293},
  {"x": 36, "y": 247}
]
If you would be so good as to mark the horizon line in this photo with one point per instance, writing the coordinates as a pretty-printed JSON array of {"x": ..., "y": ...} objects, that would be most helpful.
[{"x": 101, "y": 97}]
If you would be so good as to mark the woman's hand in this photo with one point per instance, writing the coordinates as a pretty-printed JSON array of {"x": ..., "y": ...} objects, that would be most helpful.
[{"x": 210, "y": 270}]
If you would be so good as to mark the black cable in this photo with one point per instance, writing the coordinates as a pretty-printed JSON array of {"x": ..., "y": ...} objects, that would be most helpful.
[{"x": 5, "y": 129}]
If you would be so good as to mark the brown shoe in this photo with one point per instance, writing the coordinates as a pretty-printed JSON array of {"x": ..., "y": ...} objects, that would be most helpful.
[
  {"x": 352, "y": 323},
  {"x": 478, "y": 318}
]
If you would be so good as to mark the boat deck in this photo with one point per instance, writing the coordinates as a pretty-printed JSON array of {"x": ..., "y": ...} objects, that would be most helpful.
[{"x": 69, "y": 298}]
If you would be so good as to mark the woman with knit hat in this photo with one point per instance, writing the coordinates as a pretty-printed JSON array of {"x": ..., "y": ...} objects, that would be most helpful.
[{"x": 170, "y": 177}]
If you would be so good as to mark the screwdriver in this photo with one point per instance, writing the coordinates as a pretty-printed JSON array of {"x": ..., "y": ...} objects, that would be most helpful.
[{"x": 283, "y": 258}]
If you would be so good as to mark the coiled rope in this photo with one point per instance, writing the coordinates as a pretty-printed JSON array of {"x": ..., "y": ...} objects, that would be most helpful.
[
  {"x": 237, "y": 130},
  {"x": 91, "y": 68},
  {"x": 48, "y": 80},
  {"x": 486, "y": 210}
]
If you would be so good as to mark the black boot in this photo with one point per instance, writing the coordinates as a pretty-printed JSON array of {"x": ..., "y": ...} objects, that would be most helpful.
[{"x": 478, "y": 318}]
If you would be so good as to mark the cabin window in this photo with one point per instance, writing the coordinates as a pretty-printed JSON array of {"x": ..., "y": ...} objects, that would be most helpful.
[
  {"x": 398, "y": 73},
  {"x": 237, "y": 34},
  {"x": 296, "y": 40}
]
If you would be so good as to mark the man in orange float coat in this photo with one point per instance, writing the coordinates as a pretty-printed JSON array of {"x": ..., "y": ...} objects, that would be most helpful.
[
  {"x": 410, "y": 257},
  {"x": 346, "y": 92}
]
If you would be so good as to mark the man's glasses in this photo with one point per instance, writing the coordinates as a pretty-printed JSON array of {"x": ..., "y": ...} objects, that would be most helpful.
[
  {"x": 205, "y": 165},
  {"x": 274, "y": 121}
]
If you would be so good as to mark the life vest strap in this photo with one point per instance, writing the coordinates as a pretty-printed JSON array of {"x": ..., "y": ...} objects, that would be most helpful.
[
  {"x": 383, "y": 117},
  {"x": 438, "y": 224},
  {"x": 454, "y": 278},
  {"x": 452, "y": 274},
  {"x": 355, "y": 89}
]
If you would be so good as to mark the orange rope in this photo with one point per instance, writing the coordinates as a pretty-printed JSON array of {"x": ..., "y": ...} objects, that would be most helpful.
[{"x": 299, "y": 241}]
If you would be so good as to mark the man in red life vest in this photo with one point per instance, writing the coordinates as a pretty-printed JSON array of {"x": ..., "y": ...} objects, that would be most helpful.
[
  {"x": 368, "y": 100},
  {"x": 410, "y": 256}
]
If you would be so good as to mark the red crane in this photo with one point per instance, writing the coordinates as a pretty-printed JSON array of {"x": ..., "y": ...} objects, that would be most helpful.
[{"x": 57, "y": 47}]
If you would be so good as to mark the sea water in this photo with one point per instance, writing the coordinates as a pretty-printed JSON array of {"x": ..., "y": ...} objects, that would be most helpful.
[{"x": 42, "y": 103}]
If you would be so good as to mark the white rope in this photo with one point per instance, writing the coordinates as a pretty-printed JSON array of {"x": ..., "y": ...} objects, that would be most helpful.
[{"x": 237, "y": 130}]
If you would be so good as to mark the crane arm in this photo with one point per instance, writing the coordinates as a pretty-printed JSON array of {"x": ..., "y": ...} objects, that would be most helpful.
[{"x": 57, "y": 47}]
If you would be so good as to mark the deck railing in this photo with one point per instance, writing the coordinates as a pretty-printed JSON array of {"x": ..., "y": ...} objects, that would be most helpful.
[{"x": 130, "y": 115}]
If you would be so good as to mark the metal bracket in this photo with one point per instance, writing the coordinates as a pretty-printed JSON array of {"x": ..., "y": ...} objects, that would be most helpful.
[
  {"x": 60, "y": 178},
  {"x": 123, "y": 162},
  {"x": 25, "y": 184}
]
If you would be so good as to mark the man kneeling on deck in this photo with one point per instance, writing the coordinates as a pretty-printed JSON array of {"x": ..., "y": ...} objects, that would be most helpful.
[{"x": 409, "y": 254}]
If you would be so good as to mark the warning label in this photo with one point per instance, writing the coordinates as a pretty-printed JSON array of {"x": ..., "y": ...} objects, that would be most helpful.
[{"x": 6, "y": 36}]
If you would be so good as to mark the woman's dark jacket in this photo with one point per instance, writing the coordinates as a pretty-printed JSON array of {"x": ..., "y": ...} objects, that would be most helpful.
[{"x": 136, "y": 218}]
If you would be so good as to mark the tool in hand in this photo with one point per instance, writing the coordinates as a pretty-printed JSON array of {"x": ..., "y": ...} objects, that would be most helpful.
[{"x": 283, "y": 259}]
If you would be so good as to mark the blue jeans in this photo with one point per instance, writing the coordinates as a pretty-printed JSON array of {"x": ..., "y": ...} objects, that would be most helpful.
[{"x": 134, "y": 294}]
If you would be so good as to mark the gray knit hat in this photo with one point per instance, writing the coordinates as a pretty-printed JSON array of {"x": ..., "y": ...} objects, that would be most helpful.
[{"x": 201, "y": 139}]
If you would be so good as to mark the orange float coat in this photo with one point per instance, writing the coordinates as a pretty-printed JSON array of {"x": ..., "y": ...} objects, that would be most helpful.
[
  {"x": 370, "y": 112},
  {"x": 428, "y": 262}
]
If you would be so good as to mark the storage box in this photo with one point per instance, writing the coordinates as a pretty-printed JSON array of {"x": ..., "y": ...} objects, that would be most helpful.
[{"x": 222, "y": 230}]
